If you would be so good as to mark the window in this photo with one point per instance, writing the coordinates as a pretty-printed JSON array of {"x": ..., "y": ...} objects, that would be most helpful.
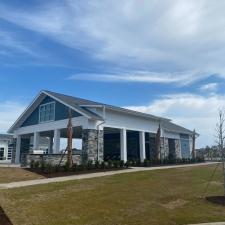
[
  {"x": 10, "y": 149},
  {"x": 47, "y": 112},
  {"x": 2, "y": 150}
]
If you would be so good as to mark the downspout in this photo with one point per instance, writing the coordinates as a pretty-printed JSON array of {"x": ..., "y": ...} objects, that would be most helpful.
[{"x": 98, "y": 126}]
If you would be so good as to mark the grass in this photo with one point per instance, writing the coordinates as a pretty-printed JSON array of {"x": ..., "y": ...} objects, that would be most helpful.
[
  {"x": 16, "y": 174},
  {"x": 160, "y": 197}
]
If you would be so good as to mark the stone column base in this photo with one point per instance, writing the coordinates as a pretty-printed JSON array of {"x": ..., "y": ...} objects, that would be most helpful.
[{"x": 92, "y": 142}]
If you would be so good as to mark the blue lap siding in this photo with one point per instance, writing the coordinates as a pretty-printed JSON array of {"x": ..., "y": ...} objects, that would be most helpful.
[
  {"x": 61, "y": 112},
  {"x": 185, "y": 146}
]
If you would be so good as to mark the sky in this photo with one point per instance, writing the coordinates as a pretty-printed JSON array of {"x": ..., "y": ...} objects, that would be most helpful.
[{"x": 164, "y": 57}]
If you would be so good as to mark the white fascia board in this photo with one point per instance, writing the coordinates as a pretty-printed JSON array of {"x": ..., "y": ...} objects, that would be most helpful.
[
  {"x": 48, "y": 126},
  {"x": 92, "y": 106},
  {"x": 24, "y": 113},
  {"x": 77, "y": 110},
  {"x": 11, "y": 129}
]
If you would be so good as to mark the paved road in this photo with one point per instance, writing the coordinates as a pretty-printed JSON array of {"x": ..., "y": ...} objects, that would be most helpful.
[{"x": 93, "y": 175}]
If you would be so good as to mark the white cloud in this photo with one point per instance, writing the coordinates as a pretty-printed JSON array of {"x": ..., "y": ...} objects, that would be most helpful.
[
  {"x": 190, "y": 111},
  {"x": 166, "y": 37},
  {"x": 143, "y": 76},
  {"x": 212, "y": 87},
  {"x": 9, "y": 112}
]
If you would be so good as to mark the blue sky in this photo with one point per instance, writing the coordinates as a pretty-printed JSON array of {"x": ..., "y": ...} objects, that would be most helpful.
[{"x": 160, "y": 57}]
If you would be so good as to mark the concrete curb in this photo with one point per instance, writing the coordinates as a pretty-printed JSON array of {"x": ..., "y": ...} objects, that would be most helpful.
[{"x": 93, "y": 175}]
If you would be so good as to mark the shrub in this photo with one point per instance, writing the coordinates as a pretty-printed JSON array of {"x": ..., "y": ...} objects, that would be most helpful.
[
  {"x": 116, "y": 163},
  {"x": 90, "y": 165},
  {"x": 43, "y": 165},
  {"x": 147, "y": 163},
  {"x": 110, "y": 163},
  {"x": 121, "y": 163},
  {"x": 81, "y": 167},
  {"x": 128, "y": 164},
  {"x": 104, "y": 165},
  {"x": 66, "y": 166},
  {"x": 36, "y": 164},
  {"x": 97, "y": 164},
  {"x": 32, "y": 164},
  {"x": 49, "y": 167},
  {"x": 74, "y": 167}
]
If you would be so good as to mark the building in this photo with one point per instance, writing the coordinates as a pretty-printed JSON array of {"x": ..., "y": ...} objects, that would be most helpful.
[
  {"x": 6, "y": 148},
  {"x": 106, "y": 131}
]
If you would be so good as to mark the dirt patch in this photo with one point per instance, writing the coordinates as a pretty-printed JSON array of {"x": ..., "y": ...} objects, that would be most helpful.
[
  {"x": 219, "y": 200},
  {"x": 70, "y": 173},
  {"x": 175, "y": 204},
  {"x": 4, "y": 220}
]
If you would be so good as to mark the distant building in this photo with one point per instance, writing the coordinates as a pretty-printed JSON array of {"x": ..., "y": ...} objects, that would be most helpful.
[{"x": 6, "y": 148}]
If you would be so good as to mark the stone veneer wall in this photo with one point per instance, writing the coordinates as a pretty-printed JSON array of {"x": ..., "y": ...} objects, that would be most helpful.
[
  {"x": 178, "y": 148},
  {"x": 54, "y": 159},
  {"x": 93, "y": 144},
  {"x": 164, "y": 148}
]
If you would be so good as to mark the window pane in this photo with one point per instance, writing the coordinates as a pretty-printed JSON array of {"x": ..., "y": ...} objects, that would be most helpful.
[{"x": 47, "y": 112}]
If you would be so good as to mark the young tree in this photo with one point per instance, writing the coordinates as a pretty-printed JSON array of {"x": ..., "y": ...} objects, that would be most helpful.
[
  {"x": 220, "y": 136},
  {"x": 70, "y": 140}
]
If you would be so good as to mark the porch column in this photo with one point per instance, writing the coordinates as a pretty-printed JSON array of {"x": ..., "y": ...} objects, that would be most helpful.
[
  {"x": 50, "y": 145},
  {"x": 123, "y": 145},
  {"x": 36, "y": 141},
  {"x": 142, "y": 145},
  {"x": 56, "y": 145},
  {"x": 18, "y": 147}
]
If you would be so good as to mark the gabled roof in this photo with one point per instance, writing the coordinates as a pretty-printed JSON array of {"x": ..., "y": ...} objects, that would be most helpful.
[
  {"x": 171, "y": 127},
  {"x": 84, "y": 103},
  {"x": 87, "y": 113},
  {"x": 6, "y": 137},
  {"x": 83, "y": 106}
]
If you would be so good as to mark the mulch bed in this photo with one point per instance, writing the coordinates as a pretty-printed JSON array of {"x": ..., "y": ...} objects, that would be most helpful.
[
  {"x": 219, "y": 200},
  {"x": 4, "y": 219},
  {"x": 70, "y": 173}
]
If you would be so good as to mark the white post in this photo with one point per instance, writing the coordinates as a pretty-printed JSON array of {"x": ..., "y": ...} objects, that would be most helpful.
[
  {"x": 36, "y": 141},
  {"x": 123, "y": 145},
  {"x": 56, "y": 145},
  {"x": 142, "y": 145},
  {"x": 18, "y": 146}
]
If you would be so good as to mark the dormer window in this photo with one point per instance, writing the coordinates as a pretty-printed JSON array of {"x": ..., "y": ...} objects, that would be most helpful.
[{"x": 47, "y": 112}]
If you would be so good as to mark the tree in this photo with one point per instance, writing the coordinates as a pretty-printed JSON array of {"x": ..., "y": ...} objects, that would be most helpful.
[
  {"x": 220, "y": 137},
  {"x": 70, "y": 140}
]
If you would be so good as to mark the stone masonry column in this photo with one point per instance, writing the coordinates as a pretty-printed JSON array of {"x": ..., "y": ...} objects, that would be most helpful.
[
  {"x": 178, "y": 149},
  {"x": 92, "y": 142}
]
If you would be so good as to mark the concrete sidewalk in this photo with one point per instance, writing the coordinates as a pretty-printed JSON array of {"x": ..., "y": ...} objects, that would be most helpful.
[
  {"x": 217, "y": 223},
  {"x": 93, "y": 175}
]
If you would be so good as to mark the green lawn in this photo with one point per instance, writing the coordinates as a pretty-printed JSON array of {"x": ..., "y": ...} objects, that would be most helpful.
[
  {"x": 16, "y": 174},
  {"x": 164, "y": 197}
]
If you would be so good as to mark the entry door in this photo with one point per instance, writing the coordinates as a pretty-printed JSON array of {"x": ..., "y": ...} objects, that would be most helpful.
[{"x": 2, "y": 150}]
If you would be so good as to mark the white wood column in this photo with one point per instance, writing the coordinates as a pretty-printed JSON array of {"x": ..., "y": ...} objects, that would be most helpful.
[
  {"x": 142, "y": 145},
  {"x": 18, "y": 147},
  {"x": 50, "y": 145},
  {"x": 36, "y": 141},
  {"x": 56, "y": 144},
  {"x": 123, "y": 145}
]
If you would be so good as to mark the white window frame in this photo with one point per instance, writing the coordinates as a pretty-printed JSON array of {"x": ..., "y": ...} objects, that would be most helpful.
[{"x": 49, "y": 103}]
